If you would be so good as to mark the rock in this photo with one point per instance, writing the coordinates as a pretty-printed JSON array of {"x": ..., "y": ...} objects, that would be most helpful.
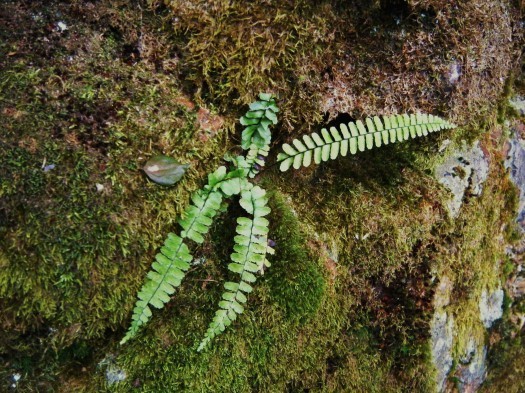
[
  {"x": 442, "y": 294},
  {"x": 114, "y": 375},
  {"x": 518, "y": 103},
  {"x": 515, "y": 162},
  {"x": 454, "y": 72},
  {"x": 464, "y": 169},
  {"x": 516, "y": 286},
  {"x": 442, "y": 336},
  {"x": 442, "y": 332},
  {"x": 472, "y": 374},
  {"x": 491, "y": 307}
]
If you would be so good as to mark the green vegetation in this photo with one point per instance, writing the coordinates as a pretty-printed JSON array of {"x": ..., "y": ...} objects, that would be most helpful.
[
  {"x": 347, "y": 301},
  {"x": 250, "y": 243},
  {"x": 358, "y": 136}
]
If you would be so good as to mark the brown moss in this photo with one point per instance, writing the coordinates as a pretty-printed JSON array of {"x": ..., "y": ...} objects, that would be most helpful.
[{"x": 318, "y": 57}]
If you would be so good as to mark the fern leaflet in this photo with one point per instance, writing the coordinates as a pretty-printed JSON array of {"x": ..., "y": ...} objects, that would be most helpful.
[
  {"x": 248, "y": 258},
  {"x": 357, "y": 136}
]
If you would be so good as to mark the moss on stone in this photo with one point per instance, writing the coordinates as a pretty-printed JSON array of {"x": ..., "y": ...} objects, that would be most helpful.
[{"x": 347, "y": 301}]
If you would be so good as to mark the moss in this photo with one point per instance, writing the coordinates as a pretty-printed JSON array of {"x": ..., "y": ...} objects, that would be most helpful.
[
  {"x": 347, "y": 302},
  {"x": 506, "y": 371},
  {"x": 72, "y": 256},
  {"x": 296, "y": 282}
]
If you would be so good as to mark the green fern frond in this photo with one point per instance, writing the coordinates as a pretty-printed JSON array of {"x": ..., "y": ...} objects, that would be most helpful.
[
  {"x": 174, "y": 258},
  {"x": 248, "y": 258},
  {"x": 356, "y": 137},
  {"x": 254, "y": 160},
  {"x": 167, "y": 272},
  {"x": 257, "y": 120}
]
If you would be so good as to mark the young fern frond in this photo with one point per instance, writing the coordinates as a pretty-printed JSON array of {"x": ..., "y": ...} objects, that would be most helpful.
[
  {"x": 248, "y": 258},
  {"x": 257, "y": 120},
  {"x": 356, "y": 137},
  {"x": 174, "y": 258},
  {"x": 254, "y": 160}
]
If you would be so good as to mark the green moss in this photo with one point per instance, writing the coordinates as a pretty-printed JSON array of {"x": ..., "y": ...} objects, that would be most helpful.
[
  {"x": 506, "y": 370},
  {"x": 347, "y": 302},
  {"x": 296, "y": 280}
]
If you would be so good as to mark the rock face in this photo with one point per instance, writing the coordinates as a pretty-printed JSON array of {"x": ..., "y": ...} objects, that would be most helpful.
[
  {"x": 491, "y": 307},
  {"x": 518, "y": 103},
  {"x": 442, "y": 333},
  {"x": 464, "y": 169},
  {"x": 515, "y": 163},
  {"x": 473, "y": 369}
]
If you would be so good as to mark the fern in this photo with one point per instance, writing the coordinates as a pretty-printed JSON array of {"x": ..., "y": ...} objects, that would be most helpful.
[
  {"x": 357, "y": 136},
  {"x": 173, "y": 261},
  {"x": 174, "y": 258},
  {"x": 254, "y": 160},
  {"x": 248, "y": 258},
  {"x": 262, "y": 113},
  {"x": 251, "y": 243}
]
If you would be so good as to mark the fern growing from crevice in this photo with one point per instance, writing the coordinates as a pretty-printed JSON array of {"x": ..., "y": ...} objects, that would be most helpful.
[
  {"x": 251, "y": 242},
  {"x": 174, "y": 258},
  {"x": 356, "y": 137}
]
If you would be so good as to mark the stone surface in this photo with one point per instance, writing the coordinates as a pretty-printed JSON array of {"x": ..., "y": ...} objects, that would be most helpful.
[
  {"x": 442, "y": 332},
  {"x": 491, "y": 307},
  {"x": 473, "y": 370},
  {"x": 464, "y": 169},
  {"x": 518, "y": 103},
  {"x": 442, "y": 336},
  {"x": 114, "y": 375},
  {"x": 515, "y": 163}
]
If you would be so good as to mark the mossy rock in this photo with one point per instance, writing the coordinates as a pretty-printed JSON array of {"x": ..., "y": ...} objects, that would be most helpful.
[{"x": 346, "y": 303}]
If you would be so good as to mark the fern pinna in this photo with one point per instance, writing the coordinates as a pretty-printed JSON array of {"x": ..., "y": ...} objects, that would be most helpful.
[
  {"x": 357, "y": 137},
  {"x": 174, "y": 259},
  {"x": 251, "y": 242}
]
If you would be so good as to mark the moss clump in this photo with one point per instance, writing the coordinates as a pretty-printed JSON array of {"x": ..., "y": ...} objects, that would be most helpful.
[{"x": 361, "y": 58}]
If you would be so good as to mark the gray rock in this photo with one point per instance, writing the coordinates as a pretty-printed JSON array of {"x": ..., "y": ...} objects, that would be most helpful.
[
  {"x": 114, "y": 375},
  {"x": 515, "y": 162},
  {"x": 472, "y": 373},
  {"x": 491, "y": 307},
  {"x": 464, "y": 169},
  {"x": 442, "y": 336}
]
